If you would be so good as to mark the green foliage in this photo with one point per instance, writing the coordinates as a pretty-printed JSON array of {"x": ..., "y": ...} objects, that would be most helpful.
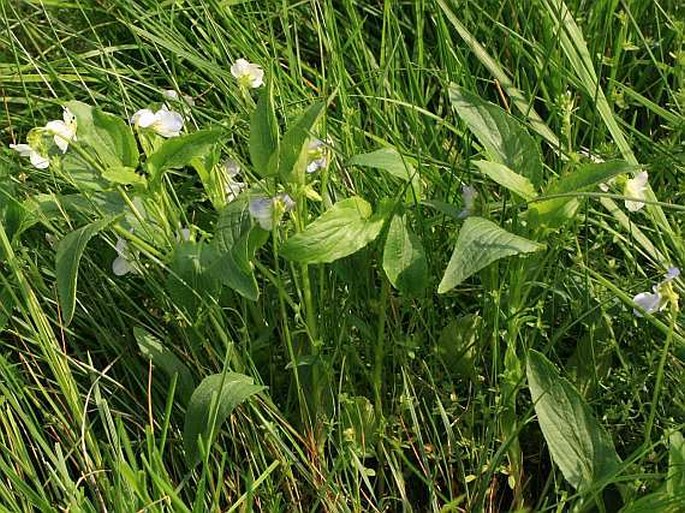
[
  {"x": 69, "y": 252},
  {"x": 503, "y": 137},
  {"x": 210, "y": 405},
  {"x": 344, "y": 229},
  {"x": 519, "y": 185},
  {"x": 264, "y": 133},
  {"x": 579, "y": 445},
  {"x": 480, "y": 243},
  {"x": 292, "y": 151},
  {"x": 554, "y": 212},
  {"x": 124, "y": 176},
  {"x": 235, "y": 243},
  {"x": 382, "y": 395},
  {"x": 178, "y": 152},
  {"x": 163, "y": 358},
  {"x": 388, "y": 159},
  {"x": 107, "y": 135},
  {"x": 404, "y": 260}
]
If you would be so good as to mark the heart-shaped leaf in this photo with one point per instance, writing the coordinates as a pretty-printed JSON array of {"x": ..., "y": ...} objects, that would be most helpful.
[{"x": 480, "y": 243}]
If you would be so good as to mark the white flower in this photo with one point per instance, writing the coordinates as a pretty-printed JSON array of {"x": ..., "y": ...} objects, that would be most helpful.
[
  {"x": 317, "y": 153},
  {"x": 37, "y": 159},
  {"x": 636, "y": 189},
  {"x": 248, "y": 74},
  {"x": 658, "y": 299},
  {"x": 650, "y": 302},
  {"x": 122, "y": 264},
  {"x": 468, "y": 194},
  {"x": 64, "y": 130},
  {"x": 262, "y": 209},
  {"x": 164, "y": 122},
  {"x": 232, "y": 186}
]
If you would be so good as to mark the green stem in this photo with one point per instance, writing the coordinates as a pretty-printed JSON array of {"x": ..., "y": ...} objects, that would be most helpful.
[
  {"x": 660, "y": 377},
  {"x": 301, "y": 399}
]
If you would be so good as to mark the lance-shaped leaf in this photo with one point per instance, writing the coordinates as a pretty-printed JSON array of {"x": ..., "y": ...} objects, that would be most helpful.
[
  {"x": 480, "y": 243},
  {"x": 503, "y": 137},
  {"x": 190, "y": 279},
  {"x": 292, "y": 153},
  {"x": 578, "y": 443},
  {"x": 69, "y": 252},
  {"x": 404, "y": 260},
  {"x": 264, "y": 133},
  {"x": 342, "y": 230},
  {"x": 210, "y": 405}
]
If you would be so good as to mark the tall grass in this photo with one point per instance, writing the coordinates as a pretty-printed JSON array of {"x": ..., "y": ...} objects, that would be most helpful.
[{"x": 375, "y": 400}]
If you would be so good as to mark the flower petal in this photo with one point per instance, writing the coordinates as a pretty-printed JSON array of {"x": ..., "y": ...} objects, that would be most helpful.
[
  {"x": 247, "y": 74},
  {"x": 636, "y": 188},
  {"x": 38, "y": 160},
  {"x": 233, "y": 189},
  {"x": 24, "y": 149},
  {"x": 671, "y": 274},
  {"x": 262, "y": 211},
  {"x": 168, "y": 123},
  {"x": 647, "y": 301},
  {"x": 143, "y": 118}
]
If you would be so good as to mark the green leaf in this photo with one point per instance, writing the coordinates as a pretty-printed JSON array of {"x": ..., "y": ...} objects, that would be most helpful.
[
  {"x": 292, "y": 153},
  {"x": 109, "y": 136},
  {"x": 554, "y": 212},
  {"x": 124, "y": 176},
  {"x": 519, "y": 185},
  {"x": 675, "y": 479},
  {"x": 82, "y": 173},
  {"x": 211, "y": 175},
  {"x": 480, "y": 243},
  {"x": 69, "y": 252},
  {"x": 264, "y": 133},
  {"x": 235, "y": 243},
  {"x": 190, "y": 280},
  {"x": 504, "y": 138},
  {"x": 177, "y": 152},
  {"x": 404, "y": 260},
  {"x": 391, "y": 161},
  {"x": 153, "y": 349},
  {"x": 210, "y": 405},
  {"x": 342, "y": 230},
  {"x": 579, "y": 445}
]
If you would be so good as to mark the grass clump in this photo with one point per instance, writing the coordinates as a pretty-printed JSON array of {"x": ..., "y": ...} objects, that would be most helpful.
[{"x": 422, "y": 258}]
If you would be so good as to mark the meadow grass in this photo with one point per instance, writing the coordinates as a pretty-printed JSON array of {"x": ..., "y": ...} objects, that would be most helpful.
[{"x": 375, "y": 399}]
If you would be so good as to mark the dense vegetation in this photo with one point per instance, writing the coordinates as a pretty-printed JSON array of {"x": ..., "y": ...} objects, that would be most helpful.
[{"x": 408, "y": 256}]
